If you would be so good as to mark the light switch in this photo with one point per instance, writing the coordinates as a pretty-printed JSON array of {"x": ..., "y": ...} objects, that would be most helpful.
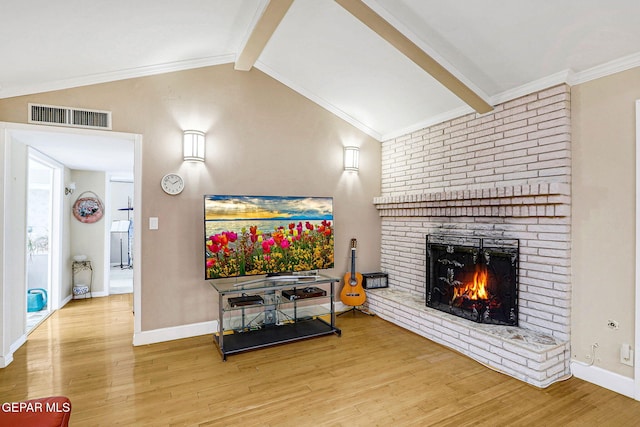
[{"x": 153, "y": 223}]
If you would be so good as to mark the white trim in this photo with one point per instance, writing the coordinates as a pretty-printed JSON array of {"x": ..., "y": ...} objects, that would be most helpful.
[
  {"x": 175, "y": 333},
  {"x": 434, "y": 120},
  {"x": 254, "y": 21},
  {"x": 100, "y": 294},
  {"x": 426, "y": 48},
  {"x": 18, "y": 343},
  {"x": 6, "y": 359},
  {"x": 57, "y": 234},
  {"x": 6, "y": 130},
  {"x": 636, "y": 369},
  {"x": 603, "y": 378},
  {"x": 318, "y": 100},
  {"x": 66, "y": 300},
  {"x": 532, "y": 87},
  {"x": 55, "y": 251},
  {"x": 137, "y": 235},
  {"x": 607, "y": 69},
  {"x": 563, "y": 77},
  {"x": 340, "y": 307},
  {"x": 130, "y": 73},
  {"x": 106, "y": 260}
]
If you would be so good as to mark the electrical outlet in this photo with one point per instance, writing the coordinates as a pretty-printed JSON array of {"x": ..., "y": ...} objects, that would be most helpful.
[
  {"x": 613, "y": 324},
  {"x": 626, "y": 354}
]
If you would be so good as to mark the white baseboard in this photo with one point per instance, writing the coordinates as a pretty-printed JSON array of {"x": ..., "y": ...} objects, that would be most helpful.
[
  {"x": 6, "y": 359},
  {"x": 188, "y": 331},
  {"x": 340, "y": 307},
  {"x": 99, "y": 294},
  {"x": 607, "y": 379},
  {"x": 18, "y": 343},
  {"x": 175, "y": 333},
  {"x": 66, "y": 300}
]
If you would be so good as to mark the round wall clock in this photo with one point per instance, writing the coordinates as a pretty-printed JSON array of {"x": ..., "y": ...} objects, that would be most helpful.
[{"x": 172, "y": 183}]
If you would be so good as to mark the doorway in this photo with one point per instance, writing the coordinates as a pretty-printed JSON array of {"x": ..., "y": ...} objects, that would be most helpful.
[
  {"x": 43, "y": 177},
  {"x": 121, "y": 239},
  {"x": 74, "y": 150}
]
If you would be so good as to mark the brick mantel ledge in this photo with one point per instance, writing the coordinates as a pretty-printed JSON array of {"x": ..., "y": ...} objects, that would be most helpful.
[{"x": 527, "y": 200}]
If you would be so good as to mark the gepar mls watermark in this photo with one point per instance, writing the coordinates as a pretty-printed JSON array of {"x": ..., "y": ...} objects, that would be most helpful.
[{"x": 26, "y": 407}]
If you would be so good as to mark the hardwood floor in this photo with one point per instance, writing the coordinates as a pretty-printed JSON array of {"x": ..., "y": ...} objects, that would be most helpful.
[{"x": 375, "y": 374}]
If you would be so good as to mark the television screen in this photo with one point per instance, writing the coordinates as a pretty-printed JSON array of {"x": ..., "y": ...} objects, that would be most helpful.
[{"x": 253, "y": 235}]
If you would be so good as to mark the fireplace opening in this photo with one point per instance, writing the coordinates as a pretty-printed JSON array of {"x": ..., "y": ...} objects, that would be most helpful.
[{"x": 475, "y": 278}]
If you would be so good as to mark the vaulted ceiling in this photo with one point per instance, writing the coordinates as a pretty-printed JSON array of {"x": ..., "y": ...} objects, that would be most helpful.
[{"x": 386, "y": 66}]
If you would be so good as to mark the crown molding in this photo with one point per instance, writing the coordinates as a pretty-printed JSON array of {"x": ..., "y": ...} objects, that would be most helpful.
[
  {"x": 570, "y": 77},
  {"x": 318, "y": 100},
  {"x": 612, "y": 67},
  {"x": 130, "y": 73},
  {"x": 531, "y": 87},
  {"x": 433, "y": 120}
]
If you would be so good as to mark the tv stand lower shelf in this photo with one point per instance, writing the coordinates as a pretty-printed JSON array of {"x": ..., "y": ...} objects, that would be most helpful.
[
  {"x": 263, "y": 313},
  {"x": 273, "y": 335}
]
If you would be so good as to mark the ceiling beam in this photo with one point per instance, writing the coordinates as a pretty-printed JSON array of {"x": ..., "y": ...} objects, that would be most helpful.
[
  {"x": 262, "y": 32},
  {"x": 398, "y": 40}
]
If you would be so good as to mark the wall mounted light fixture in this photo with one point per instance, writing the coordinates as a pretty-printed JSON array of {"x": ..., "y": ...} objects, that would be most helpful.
[
  {"x": 193, "y": 143},
  {"x": 351, "y": 159},
  {"x": 69, "y": 189}
]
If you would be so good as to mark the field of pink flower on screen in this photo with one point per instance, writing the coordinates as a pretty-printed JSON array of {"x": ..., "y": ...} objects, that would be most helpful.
[{"x": 296, "y": 247}]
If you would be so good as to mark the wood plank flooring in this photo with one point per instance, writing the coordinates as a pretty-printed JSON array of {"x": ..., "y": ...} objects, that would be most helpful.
[{"x": 376, "y": 374}]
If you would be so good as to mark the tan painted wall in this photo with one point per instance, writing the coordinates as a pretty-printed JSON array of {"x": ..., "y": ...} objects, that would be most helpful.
[
  {"x": 603, "y": 242},
  {"x": 88, "y": 239},
  {"x": 262, "y": 138}
]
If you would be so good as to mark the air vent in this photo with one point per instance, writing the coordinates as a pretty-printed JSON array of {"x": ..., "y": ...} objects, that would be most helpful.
[{"x": 65, "y": 116}]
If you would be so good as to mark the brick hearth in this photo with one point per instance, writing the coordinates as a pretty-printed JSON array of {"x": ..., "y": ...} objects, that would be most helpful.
[{"x": 504, "y": 174}]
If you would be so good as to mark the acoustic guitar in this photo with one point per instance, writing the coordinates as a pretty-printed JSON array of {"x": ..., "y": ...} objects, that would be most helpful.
[{"x": 352, "y": 293}]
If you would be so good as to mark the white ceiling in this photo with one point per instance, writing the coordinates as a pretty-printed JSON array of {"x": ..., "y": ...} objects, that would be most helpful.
[
  {"x": 500, "y": 49},
  {"x": 82, "y": 150}
]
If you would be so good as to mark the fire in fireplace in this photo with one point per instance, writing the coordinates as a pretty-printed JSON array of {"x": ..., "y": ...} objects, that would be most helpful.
[{"x": 475, "y": 278}]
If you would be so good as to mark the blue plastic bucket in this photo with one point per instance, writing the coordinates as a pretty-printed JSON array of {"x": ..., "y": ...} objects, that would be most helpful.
[{"x": 36, "y": 299}]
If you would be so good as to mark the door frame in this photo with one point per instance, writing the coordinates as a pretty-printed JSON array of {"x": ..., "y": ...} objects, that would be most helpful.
[
  {"x": 13, "y": 230},
  {"x": 55, "y": 244},
  {"x": 636, "y": 357}
]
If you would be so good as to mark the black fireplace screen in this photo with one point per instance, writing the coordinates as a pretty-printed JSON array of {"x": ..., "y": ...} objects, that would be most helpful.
[{"x": 474, "y": 278}]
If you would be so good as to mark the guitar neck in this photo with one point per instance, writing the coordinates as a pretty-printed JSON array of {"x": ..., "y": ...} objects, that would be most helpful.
[{"x": 353, "y": 264}]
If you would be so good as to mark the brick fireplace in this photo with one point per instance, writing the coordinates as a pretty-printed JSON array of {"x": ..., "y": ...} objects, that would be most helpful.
[
  {"x": 503, "y": 175},
  {"x": 473, "y": 278}
]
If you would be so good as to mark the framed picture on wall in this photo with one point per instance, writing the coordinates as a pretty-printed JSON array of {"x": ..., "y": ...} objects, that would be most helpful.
[{"x": 88, "y": 209}]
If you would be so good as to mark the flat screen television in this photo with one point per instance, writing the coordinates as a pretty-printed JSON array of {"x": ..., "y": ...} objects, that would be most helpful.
[{"x": 257, "y": 235}]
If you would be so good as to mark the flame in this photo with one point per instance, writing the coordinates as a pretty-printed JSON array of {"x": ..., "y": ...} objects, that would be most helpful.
[{"x": 476, "y": 289}]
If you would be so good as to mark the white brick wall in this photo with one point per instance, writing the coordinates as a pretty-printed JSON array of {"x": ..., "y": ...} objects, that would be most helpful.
[
  {"x": 523, "y": 141},
  {"x": 503, "y": 174}
]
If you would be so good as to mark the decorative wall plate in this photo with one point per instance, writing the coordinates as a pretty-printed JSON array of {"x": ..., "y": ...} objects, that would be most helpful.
[{"x": 88, "y": 209}]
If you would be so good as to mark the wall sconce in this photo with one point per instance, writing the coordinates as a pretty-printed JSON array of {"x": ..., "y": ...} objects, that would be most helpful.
[
  {"x": 69, "y": 189},
  {"x": 193, "y": 142},
  {"x": 351, "y": 159}
]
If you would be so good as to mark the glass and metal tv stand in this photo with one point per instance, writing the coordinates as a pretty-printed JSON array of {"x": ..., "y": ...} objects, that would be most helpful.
[{"x": 261, "y": 313}]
